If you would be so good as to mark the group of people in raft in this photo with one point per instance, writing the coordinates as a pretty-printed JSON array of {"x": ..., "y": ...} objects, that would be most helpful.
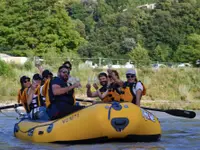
[{"x": 50, "y": 98}]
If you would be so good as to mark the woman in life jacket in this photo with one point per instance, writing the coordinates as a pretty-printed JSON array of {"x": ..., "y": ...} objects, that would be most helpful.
[
  {"x": 133, "y": 89},
  {"x": 113, "y": 87},
  {"x": 25, "y": 83},
  {"x": 35, "y": 103}
]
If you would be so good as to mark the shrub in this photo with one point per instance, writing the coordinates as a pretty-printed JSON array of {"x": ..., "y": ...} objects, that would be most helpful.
[
  {"x": 29, "y": 65},
  {"x": 5, "y": 69}
]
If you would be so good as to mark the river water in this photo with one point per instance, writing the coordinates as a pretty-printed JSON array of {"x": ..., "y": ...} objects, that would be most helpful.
[{"x": 177, "y": 134}]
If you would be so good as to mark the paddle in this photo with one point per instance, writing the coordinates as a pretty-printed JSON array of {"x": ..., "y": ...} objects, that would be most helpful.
[
  {"x": 10, "y": 106},
  {"x": 173, "y": 112}
]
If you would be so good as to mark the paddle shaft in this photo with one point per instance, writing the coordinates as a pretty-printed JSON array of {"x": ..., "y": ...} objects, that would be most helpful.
[{"x": 10, "y": 106}]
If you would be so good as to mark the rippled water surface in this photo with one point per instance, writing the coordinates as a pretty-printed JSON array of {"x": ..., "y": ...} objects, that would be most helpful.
[{"x": 177, "y": 134}]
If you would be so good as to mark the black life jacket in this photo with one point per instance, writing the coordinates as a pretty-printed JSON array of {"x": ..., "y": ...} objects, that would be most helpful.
[{"x": 68, "y": 97}]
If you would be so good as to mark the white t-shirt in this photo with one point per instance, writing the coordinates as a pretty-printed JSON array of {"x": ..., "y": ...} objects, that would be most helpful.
[{"x": 137, "y": 87}]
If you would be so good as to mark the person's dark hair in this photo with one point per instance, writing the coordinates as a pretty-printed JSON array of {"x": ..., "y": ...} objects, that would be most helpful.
[
  {"x": 46, "y": 74},
  {"x": 22, "y": 80},
  {"x": 37, "y": 76},
  {"x": 116, "y": 73},
  {"x": 102, "y": 74},
  {"x": 68, "y": 64},
  {"x": 61, "y": 67}
]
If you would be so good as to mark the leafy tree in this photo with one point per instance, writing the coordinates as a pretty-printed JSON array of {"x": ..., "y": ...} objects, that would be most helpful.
[
  {"x": 37, "y": 25},
  {"x": 140, "y": 56},
  {"x": 190, "y": 51},
  {"x": 162, "y": 53},
  {"x": 101, "y": 28},
  {"x": 118, "y": 5},
  {"x": 170, "y": 23}
]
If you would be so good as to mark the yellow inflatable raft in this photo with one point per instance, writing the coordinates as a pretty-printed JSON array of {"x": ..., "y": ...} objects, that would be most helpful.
[{"x": 97, "y": 123}]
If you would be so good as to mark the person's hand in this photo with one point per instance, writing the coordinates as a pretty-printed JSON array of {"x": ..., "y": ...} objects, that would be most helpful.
[
  {"x": 109, "y": 82},
  {"x": 88, "y": 86},
  {"x": 95, "y": 86},
  {"x": 34, "y": 85},
  {"x": 109, "y": 71},
  {"x": 77, "y": 85},
  {"x": 113, "y": 76}
]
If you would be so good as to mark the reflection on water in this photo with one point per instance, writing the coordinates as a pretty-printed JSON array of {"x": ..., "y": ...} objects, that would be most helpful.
[{"x": 178, "y": 134}]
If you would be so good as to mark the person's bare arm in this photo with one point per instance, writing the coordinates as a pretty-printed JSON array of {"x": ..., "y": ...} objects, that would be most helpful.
[
  {"x": 90, "y": 93},
  {"x": 102, "y": 95},
  {"x": 116, "y": 79},
  {"x": 138, "y": 97},
  {"x": 95, "y": 86},
  {"x": 40, "y": 68},
  {"x": 57, "y": 90},
  {"x": 31, "y": 92}
]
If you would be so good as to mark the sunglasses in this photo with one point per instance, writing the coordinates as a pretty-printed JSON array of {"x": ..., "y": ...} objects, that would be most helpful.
[
  {"x": 65, "y": 72},
  {"x": 26, "y": 81},
  {"x": 130, "y": 76}
]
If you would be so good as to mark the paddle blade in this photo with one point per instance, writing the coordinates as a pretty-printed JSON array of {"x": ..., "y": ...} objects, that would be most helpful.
[{"x": 181, "y": 113}]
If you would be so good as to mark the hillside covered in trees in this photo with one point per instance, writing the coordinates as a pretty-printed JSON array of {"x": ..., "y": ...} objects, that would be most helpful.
[{"x": 102, "y": 28}]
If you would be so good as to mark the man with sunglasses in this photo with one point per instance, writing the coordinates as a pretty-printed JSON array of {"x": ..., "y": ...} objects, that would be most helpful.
[
  {"x": 61, "y": 99},
  {"x": 132, "y": 88},
  {"x": 69, "y": 67}
]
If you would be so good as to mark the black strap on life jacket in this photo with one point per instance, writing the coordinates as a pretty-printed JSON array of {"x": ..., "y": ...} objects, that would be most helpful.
[{"x": 103, "y": 89}]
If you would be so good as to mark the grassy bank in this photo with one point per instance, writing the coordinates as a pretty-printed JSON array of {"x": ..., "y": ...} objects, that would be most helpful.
[{"x": 166, "y": 87}]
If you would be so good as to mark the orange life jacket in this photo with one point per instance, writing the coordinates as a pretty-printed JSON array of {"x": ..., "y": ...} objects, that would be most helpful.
[
  {"x": 19, "y": 95},
  {"x": 113, "y": 94},
  {"x": 23, "y": 99},
  {"x": 127, "y": 92}
]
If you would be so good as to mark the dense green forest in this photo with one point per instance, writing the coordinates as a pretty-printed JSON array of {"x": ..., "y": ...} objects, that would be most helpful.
[{"x": 102, "y": 28}]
